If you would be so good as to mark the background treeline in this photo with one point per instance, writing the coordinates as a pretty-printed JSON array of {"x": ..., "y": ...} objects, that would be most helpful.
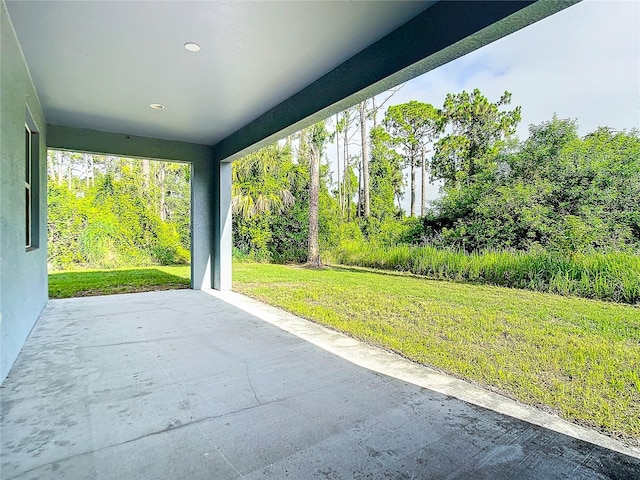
[
  {"x": 107, "y": 212},
  {"x": 555, "y": 212},
  {"x": 555, "y": 191}
]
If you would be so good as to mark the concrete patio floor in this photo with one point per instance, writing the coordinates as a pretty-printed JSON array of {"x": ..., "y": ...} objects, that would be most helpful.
[{"x": 193, "y": 385}]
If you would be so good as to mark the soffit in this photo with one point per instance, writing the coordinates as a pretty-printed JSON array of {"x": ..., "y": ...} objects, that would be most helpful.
[{"x": 100, "y": 64}]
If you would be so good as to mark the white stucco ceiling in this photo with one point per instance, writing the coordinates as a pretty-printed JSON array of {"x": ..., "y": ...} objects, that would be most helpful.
[{"x": 99, "y": 64}]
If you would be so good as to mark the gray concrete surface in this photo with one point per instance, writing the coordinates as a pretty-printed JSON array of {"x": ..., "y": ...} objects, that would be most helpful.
[{"x": 186, "y": 385}]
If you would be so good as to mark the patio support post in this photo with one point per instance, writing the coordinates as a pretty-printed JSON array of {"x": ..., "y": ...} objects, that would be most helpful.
[
  {"x": 222, "y": 232},
  {"x": 202, "y": 223}
]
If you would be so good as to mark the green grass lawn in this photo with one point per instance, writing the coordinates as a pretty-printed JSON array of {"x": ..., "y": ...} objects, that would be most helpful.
[
  {"x": 82, "y": 283},
  {"x": 579, "y": 358}
]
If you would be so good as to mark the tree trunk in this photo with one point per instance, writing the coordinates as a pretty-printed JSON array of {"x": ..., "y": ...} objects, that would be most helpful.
[
  {"x": 60, "y": 166},
  {"x": 347, "y": 181},
  {"x": 69, "y": 171},
  {"x": 375, "y": 112},
  {"x": 146, "y": 173},
  {"x": 87, "y": 168},
  {"x": 163, "y": 206},
  {"x": 359, "y": 202},
  {"x": 423, "y": 205},
  {"x": 338, "y": 163},
  {"x": 365, "y": 160},
  {"x": 413, "y": 186},
  {"x": 93, "y": 172},
  {"x": 313, "y": 257},
  {"x": 110, "y": 164},
  {"x": 51, "y": 165}
]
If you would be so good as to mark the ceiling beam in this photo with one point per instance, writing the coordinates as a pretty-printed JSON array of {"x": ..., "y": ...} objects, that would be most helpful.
[
  {"x": 60, "y": 137},
  {"x": 440, "y": 34}
]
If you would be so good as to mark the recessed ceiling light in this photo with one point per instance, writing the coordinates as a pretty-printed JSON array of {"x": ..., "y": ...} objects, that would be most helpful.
[
  {"x": 192, "y": 47},
  {"x": 157, "y": 106}
]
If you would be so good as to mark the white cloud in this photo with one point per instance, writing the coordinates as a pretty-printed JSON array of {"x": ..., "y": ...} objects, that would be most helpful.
[{"x": 582, "y": 62}]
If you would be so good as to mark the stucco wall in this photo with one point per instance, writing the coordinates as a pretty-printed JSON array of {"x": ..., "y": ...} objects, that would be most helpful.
[{"x": 23, "y": 274}]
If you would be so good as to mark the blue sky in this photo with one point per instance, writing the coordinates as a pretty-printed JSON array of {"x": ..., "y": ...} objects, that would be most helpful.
[{"x": 581, "y": 63}]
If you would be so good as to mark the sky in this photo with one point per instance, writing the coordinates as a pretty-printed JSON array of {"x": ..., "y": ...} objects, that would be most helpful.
[{"x": 581, "y": 63}]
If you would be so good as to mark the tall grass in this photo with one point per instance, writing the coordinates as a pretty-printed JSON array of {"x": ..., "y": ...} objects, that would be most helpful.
[{"x": 605, "y": 276}]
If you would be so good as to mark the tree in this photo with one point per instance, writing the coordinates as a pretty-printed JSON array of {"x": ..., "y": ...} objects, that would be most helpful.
[
  {"x": 312, "y": 141},
  {"x": 59, "y": 160},
  {"x": 362, "y": 110},
  {"x": 88, "y": 167},
  {"x": 364, "y": 192},
  {"x": 557, "y": 191},
  {"x": 423, "y": 182},
  {"x": 344, "y": 126},
  {"x": 260, "y": 182},
  {"x": 479, "y": 131},
  {"x": 178, "y": 200},
  {"x": 336, "y": 138},
  {"x": 412, "y": 125},
  {"x": 386, "y": 175}
]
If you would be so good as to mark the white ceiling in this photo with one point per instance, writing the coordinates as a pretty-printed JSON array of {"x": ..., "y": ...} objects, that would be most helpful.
[{"x": 99, "y": 64}]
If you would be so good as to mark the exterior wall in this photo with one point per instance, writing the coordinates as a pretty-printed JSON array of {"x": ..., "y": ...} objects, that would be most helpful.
[
  {"x": 23, "y": 274},
  {"x": 202, "y": 221},
  {"x": 223, "y": 235}
]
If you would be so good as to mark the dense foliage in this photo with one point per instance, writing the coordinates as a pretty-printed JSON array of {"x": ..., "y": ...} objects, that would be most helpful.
[
  {"x": 270, "y": 198},
  {"x": 108, "y": 212},
  {"x": 556, "y": 191}
]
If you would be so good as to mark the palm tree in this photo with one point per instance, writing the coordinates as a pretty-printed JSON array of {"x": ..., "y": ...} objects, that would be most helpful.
[{"x": 260, "y": 182}]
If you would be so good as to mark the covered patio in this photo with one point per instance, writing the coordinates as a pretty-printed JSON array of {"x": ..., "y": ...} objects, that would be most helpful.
[
  {"x": 202, "y": 83},
  {"x": 203, "y": 384}
]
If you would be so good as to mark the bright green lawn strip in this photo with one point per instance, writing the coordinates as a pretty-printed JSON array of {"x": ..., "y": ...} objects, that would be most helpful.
[
  {"x": 581, "y": 358},
  {"x": 82, "y": 283}
]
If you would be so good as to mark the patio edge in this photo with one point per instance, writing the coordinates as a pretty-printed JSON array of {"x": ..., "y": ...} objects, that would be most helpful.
[{"x": 394, "y": 365}]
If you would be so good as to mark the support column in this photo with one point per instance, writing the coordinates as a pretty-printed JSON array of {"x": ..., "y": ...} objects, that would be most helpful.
[
  {"x": 202, "y": 223},
  {"x": 223, "y": 230}
]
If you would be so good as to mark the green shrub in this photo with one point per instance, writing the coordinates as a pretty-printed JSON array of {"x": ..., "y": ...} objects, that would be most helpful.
[{"x": 607, "y": 276}]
